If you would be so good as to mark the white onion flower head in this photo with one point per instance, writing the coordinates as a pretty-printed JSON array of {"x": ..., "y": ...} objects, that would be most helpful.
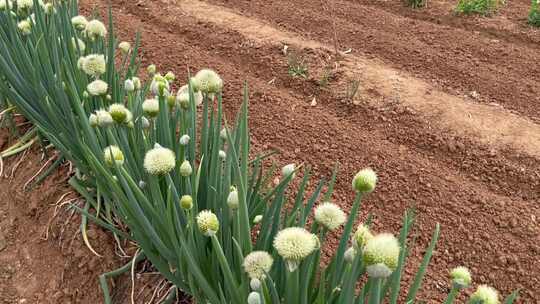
[
  {"x": 104, "y": 118},
  {"x": 288, "y": 170},
  {"x": 118, "y": 112},
  {"x": 113, "y": 155},
  {"x": 78, "y": 43},
  {"x": 3, "y": 5},
  {"x": 222, "y": 154},
  {"x": 461, "y": 277},
  {"x": 124, "y": 46},
  {"x": 350, "y": 254},
  {"x": 184, "y": 140},
  {"x": 382, "y": 253},
  {"x": 182, "y": 97},
  {"x": 294, "y": 244},
  {"x": 159, "y": 160},
  {"x": 93, "y": 120},
  {"x": 151, "y": 69},
  {"x": 129, "y": 86},
  {"x": 330, "y": 216},
  {"x": 185, "y": 169},
  {"x": 97, "y": 88},
  {"x": 254, "y": 298},
  {"x": 364, "y": 181},
  {"x": 79, "y": 22},
  {"x": 208, "y": 81},
  {"x": 232, "y": 200},
  {"x": 25, "y": 4},
  {"x": 94, "y": 65},
  {"x": 25, "y": 26},
  {"x": 484, "y": 295},
  {"x": 207, "y": 222},
  {"x": 257, "y": 264},
  {"x": 150, "y": 107},
  {"x": 257, "y": 219},
  {"x": 49, "y": 8},
  {"x": 170, "y": 76},
  {"x": 159, "y": 85},
  {"x": 95, "y": 29},
  {"x": 361, "y": 236}
]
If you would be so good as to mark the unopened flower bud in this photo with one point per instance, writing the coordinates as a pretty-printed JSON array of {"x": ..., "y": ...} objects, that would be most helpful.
[
  {"x": 151, "y": 69},
  {"x": 185, "y": 169},
  {"x": 288, "y": 170},
  {"x": 257, "y": 219},
  {"x": 124, "y": 46},
  {"x": 184, "y": 140},
  {"x": 129, "y": 86},
  {"x": 232, "y": 199},
  {"x": 222, "y": 154},
  {"x": 170, "y": 76},
  {"x": 350, "y": 254},
  {"x": 254, "y": 298},
  {"x": 255, "y": 284}
]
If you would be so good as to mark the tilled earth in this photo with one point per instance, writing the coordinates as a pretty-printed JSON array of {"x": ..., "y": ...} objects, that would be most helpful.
[{"x": 447, "y": 112}]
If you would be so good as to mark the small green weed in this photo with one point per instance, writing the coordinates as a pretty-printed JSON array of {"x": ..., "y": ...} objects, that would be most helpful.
[
  {"x": 534, "y": 14},
  {"x": 481, "y": 7},
  {"x": 297, "y": 66},
  {"x": 352, "y": 89}
]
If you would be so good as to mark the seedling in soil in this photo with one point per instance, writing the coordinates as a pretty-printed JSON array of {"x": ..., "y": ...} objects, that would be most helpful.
[
  {"x": 534, "y": 14},
  {"x": 297, "y": 66},
  {"x": 481, "y": 7},
  {"x": 352, "y": 90},
  {"x": 326, "y": 77},
  {"x": 416, "y": 3}
]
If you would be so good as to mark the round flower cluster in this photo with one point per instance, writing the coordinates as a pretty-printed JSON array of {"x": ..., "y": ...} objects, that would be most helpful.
[
  {"x": 257, "y": 264},
  {"x": 124, "y": 46},
  {"x": 93, "y": 65},
  {"x": 159, "y": 160},
  {"x": 79, "y": 22},
  {"x": 150, "y": 107},
  {"x": 95, "y": 29},
  {"x": 364, "y": 181},
  {"x": 112, "y": 155},
  {"x": 484, "y": 295},
  {"x": 381, "y": 255},
  {"x": 102, "y": 118},
  {"x": 207, "y": 81},
  {"x": 25, "y": 4},
  {"x": 25, "y": 26},
  {"x": 294, "y": 244},
  {"x": 119, "y": 113},
  {"x": 97, "y": 88},
  {"x": 461, "y": 277},
  {"x": 182, "y": 97},
  {"x": 207, "y": 222},
  {"x": 160, "y": 85},
  {"x": 3, "y": 5},
  {"x": 186, "y": 202},
  {"x": 329, "y": 215}
]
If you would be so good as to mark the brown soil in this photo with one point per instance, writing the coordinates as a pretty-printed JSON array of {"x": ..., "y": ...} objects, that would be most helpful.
[{"x": 478, "y": 174}]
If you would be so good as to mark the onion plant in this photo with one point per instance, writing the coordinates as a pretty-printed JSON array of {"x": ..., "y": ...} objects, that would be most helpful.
[{"x": 168, "y": 171}]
